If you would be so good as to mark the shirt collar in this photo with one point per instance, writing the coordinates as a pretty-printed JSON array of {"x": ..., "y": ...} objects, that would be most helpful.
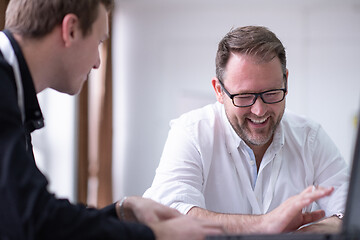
[
  {"x": 278, "y": 139},
  {"x": 33, "y": 115}
]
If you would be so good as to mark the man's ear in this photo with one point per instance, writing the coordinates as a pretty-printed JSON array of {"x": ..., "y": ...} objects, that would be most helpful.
[
  {"x": 70, "y": 29},
  {"x": 218, "y": 90}
]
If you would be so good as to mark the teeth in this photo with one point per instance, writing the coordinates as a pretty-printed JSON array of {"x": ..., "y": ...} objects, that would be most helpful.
[{"x": 259, "y": 121}]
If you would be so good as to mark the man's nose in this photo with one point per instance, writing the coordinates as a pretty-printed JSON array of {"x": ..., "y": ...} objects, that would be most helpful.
[{"x": 259, "y": 108}]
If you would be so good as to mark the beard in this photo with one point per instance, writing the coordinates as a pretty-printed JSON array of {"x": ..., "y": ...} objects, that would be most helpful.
[{"x": 252, "y": 136}]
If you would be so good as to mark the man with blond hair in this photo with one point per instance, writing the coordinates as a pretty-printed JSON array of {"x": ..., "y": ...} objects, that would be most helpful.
[{"x": 54, "y": 44}]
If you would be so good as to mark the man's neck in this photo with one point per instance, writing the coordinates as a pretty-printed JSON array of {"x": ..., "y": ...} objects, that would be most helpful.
[{"x": 36, "y": 53}]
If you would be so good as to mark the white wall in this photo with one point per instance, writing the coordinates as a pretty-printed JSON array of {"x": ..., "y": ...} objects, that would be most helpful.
[
  {"x": 164, "y": 53},
  {"x": 55, "y": 144}
]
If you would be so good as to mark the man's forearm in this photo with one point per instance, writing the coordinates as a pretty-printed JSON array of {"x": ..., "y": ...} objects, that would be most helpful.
[
  {"x": 285, "y": 218},
  {"x": 233, "y": 223},
  {"x": 326, "y": 225}
]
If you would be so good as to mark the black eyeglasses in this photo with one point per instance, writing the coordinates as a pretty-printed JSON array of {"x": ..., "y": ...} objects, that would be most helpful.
[{"x": 248, "y": 99}]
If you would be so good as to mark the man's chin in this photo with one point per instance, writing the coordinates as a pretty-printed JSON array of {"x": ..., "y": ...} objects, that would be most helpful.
[
  {"x": 256, "y": 139},
  {"x": 258, "y": 142},
  {"x": 78, "y": 89},
  {"x": 70, "y": 92}
]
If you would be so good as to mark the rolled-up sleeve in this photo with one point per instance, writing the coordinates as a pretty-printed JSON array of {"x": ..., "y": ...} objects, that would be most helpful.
[
  {"x": 330, "y": 170},
  {"x": 179, "y": 178}
]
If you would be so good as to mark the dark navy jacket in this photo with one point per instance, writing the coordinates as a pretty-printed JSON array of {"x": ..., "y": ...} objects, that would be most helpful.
[{"x": 27, "y": 210}]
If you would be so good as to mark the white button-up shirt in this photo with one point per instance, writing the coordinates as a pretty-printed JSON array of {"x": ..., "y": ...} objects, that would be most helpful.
[{"x": 206, "y": 164}]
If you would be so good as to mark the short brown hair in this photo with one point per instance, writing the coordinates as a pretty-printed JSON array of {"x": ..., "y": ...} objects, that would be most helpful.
[
  {"x": 36, "y": 18},
  {"x": 255, "y": 41}
]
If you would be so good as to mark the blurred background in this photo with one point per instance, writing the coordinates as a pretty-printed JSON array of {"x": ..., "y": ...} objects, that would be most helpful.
[{"x": 162, "y": 58}]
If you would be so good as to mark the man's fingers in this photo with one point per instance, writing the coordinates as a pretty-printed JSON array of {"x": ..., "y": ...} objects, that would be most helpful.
[
  {"x": 316, "y": 191},
  {"x": 213, "y": 231},
  {"x": 293, "y": 206},
  {"x": 310, "y": 217},
  {"x": 308, "y": 190},
  {"x": 289, "y": 214},
  {"x": 168, "y": 213},
  {"x": 312, "y": 194}
]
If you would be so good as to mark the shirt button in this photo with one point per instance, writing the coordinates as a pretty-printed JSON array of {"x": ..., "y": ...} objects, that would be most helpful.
[{"x": 252, "y": 162}]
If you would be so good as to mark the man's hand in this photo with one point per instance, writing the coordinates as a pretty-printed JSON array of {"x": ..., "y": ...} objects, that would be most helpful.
[
  {"x": 166, "y": 223},
  {"x": 289, "y": 216},
  {"x": 145, "y": 210}
]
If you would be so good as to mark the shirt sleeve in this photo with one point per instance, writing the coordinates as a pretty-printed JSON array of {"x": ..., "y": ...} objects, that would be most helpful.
[
  {"x": 69, "y": 221},
  {"x": 179, "y": 179},
  {"x": 330, "y": 170}
]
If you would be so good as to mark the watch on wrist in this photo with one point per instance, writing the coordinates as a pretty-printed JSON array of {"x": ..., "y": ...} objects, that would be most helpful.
[
  {"x": 339, "y": 215},
  {"x": 120, "y": 209}
]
